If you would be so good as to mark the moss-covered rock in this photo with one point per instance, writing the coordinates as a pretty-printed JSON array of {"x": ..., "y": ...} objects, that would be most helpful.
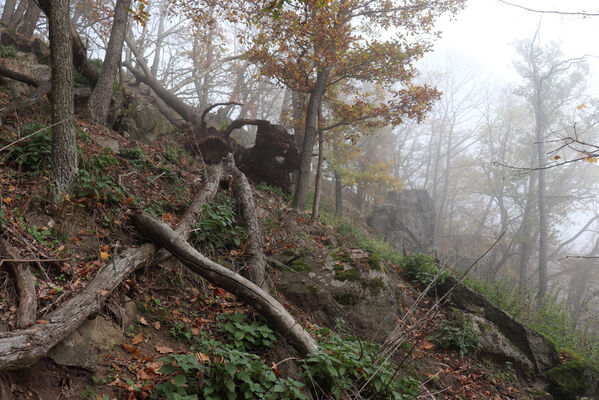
[
  {"x": 572, "y": 379},
  {"x": 342, "y": 256}
]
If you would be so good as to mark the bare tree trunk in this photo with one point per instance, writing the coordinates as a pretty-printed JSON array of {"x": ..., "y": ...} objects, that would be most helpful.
[
  {"x": 159, "y": 38},
  {"x": 8, "y": 11},
  {"x": 32, "y": 15},
  {"x": 256, "y": 266},
  {"x": 17, "y": 16},
  {"x": 298, "y": 104},
  {"x": 99, "y": 102},
  {"x": 338, "y": 196},
  {"x": 64, "y": 140},
  {"x": 299, "y": 197},
  {"x": 318, "y": 179},
  {"x": 251, "y": 294}
]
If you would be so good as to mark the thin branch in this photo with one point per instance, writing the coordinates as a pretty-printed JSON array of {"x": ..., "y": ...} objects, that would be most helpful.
[{"x": 577, "y": 13}]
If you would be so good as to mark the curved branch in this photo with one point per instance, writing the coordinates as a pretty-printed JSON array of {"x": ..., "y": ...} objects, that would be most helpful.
[{"x": 248, "y": 292}]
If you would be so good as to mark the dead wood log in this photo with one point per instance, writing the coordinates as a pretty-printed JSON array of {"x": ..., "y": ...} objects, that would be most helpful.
[
  {"x": 17, "y": 76},
  {"x": 277, "y": 316},
  {"x": 26, "y": 314},
  {"x": 22, "y": 348},
  {"x": 256, "y": 265}
]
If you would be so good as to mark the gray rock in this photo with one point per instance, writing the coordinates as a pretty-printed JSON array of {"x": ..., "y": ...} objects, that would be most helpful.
[
  {"x": 496, "y": 347},
  {"x": 145, "y": 123},
  {"x": 540, "y": 351},
  {"x": 319, "y": 292},
  {"x": 41, "y": 72},
  {"x": 406, "y": 220},
  {"x": 105, "y": 142},
  {"x": 81, "y": 347}
]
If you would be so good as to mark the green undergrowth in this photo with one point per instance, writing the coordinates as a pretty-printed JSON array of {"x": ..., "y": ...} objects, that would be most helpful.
[
  {"x": 218, "y": 227},
  {"x": 457, "y": 333},
  {"x": 346, "y": 365},
  {"x": 228, "y": 369}
]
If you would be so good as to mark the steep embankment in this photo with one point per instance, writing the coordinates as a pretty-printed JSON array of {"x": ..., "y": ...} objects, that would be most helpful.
[{"x": 166, "y": 333}]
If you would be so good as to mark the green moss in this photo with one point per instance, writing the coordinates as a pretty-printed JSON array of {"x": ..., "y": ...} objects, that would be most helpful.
[
  {"x": 568, "y": 381},
  {"x": 342, "y": 255},
  {"x": 346, "y": 299},
  {"x": 375, "y": 262},
  {"x": 300, "y": 264},
  {"x": 375, "y": 285},
  {"x": 312, "y": 289},
  {"x": 352, "y": 274}
]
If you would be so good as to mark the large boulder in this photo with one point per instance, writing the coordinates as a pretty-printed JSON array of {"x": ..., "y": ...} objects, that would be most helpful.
[
  {"x": 538, "y": 349},
  {"x": 142, "y": 122},
  {"x": 494, "y": 346},
  {"x": 346, "y": 285},
  {"x": 406, "y": 220}
]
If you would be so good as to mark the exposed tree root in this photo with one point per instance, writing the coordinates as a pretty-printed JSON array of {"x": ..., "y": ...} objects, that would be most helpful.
[
  {"x": 22, "y": 348},
  {"x": 276, "y": 315},
  {"x": 25, "y": 284}
]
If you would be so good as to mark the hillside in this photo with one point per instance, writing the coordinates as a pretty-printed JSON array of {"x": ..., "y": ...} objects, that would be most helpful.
[{"x": 387, "y": 325}]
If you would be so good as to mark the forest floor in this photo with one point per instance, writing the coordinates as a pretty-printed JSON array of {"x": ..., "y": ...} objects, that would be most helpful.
[{"x": 164, "y": 309}]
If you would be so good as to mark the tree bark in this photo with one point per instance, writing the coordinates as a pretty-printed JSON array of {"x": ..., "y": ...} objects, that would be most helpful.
[
  {"x": 99, "y": 102},
  {"x": 244, "y": 289},
  {"x": 338, "y": 196},
  {"x": 22, "y": 348},
  {"x": 159, "y": 38},
  {"x": 299, "y": 197},
  {"x": 64, "y": 144},
  {"x": 30, "y": 19},
  {"x": 8, "y": 11},
  {"x": 26, "y": 314},
  {"x": 256, "y": 266},
  {"x": 318, "y": 179}
]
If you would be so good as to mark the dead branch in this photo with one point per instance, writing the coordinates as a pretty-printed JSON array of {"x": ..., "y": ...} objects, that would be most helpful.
[
  {"x": 26, "y": 314},
  {"x": 256, "y": 265},
  {"x": 17, "y": 76},
  {"x": 247, "y": 291},
  {"x": 22, "y": 348}
]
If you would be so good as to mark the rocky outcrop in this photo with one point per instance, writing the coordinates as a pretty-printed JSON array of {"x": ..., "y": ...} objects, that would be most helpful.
[
  {"x": 540, "y": 351},
  {"x": 406, "y": 220},
  {"x": 347, "y": 285},
  {"x": 494, "y": 345}
]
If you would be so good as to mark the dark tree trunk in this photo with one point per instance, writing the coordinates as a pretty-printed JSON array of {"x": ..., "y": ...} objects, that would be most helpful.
[
  {"x": 338, "y": 196},
  {"x": 32, "y": 15},
  {"x": 318, "y": 179},
  {"x": 99, "y": 102},
  {"x": 64, "y": 145},
  {"x": 299, "y": 198}
]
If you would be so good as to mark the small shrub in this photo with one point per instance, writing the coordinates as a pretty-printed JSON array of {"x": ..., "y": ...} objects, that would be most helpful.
[
  {"x": 344, "y": 364},
  {"x": 244, "y": 335},
  {"x": 421, "y": 268},
  {"x": 35, "y": 154},
  {"x": 136, "y": 156},
  {"x": 272, "y": 189},
  {"x": 174, "y": 154},
  {"x": 95, "y": 181},
  {"x": 457, "y": 333},
  {"x": 223, "y": 372},
  {"x": 218, "y": 225},
  {"x": 8, "y": 51}
]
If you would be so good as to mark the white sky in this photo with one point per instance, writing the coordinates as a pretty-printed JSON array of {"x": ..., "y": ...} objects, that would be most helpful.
[{"x": 486, "y": 30}]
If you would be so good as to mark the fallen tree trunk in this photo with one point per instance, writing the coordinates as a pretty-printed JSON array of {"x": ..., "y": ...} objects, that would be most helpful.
[
  {"x": 22, "y": 348},
  {"x": 256, "y": 265},
  {"x": 25, "y": 285},
  {"x": 276, "y": 315}
]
